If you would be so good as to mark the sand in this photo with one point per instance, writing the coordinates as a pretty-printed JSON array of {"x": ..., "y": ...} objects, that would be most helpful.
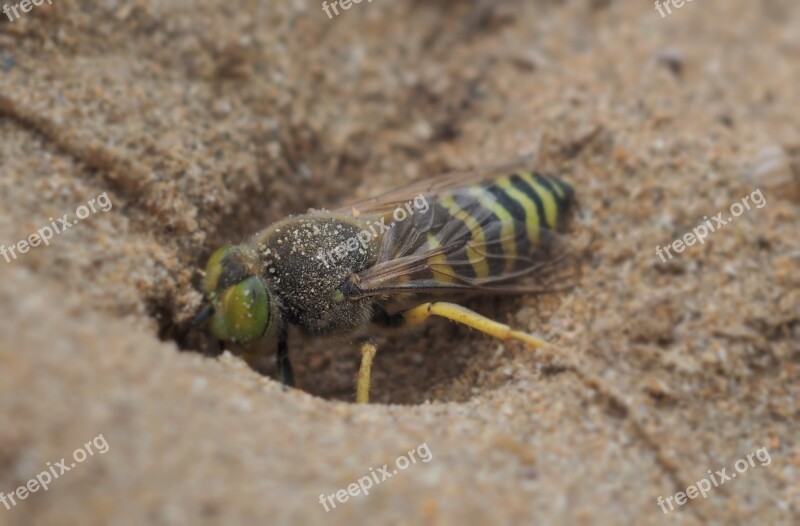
[{"x": 202, "y": 122}]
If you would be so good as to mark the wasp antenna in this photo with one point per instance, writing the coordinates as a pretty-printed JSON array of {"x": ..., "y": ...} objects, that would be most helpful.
[{"x": 204, "y": 315}]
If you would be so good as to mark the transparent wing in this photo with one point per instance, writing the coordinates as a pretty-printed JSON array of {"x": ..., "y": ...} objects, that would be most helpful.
[
  {"x": 440, "y": 185},
  {"x": 430, "y": 249}
]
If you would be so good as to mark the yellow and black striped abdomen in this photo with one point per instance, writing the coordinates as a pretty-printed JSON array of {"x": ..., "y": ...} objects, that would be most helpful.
[{"x": 490, "y": 229}]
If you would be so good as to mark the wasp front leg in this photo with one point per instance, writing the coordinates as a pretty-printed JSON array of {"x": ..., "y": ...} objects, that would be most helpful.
[
  {"x": 285, "y": 372},
  {"x": 368, "y": 352}
]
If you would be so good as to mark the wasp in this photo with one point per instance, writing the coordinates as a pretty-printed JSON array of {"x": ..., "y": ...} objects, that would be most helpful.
[{"x": 395, "y": 260}]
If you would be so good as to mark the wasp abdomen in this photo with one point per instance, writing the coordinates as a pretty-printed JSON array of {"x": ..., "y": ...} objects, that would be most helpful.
[{"x": 499, "y": 224}]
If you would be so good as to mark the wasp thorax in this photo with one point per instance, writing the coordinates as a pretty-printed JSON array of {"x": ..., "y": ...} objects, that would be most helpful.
[{"x": 304, "y": 260}]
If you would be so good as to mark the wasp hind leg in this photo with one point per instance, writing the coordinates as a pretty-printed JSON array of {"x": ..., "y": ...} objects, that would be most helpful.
[
  {"x": 419, "y": 314},
  {"x": 368, "y": 352},
  {"x": 464, "y": 316}
]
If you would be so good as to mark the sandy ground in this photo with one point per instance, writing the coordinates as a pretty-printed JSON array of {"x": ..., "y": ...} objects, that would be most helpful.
[{"x": 204, "y": 121}]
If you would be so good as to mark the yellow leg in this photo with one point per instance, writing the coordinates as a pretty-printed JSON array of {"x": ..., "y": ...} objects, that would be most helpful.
[
  {"x": 464, "y": 316},
  {"x": 368, "y": 351}
]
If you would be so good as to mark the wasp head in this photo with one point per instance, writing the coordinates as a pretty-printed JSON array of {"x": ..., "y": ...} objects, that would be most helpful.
[{"x": 239, "y": 309}]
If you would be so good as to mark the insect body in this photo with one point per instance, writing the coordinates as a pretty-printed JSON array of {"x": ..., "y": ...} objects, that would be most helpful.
[{"x": 388, "y": 260}]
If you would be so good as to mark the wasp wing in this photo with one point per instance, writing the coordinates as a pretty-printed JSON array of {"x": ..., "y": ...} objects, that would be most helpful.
[
  {"x": 442, "y": 184},
  {"x": 464, "y": 233}
]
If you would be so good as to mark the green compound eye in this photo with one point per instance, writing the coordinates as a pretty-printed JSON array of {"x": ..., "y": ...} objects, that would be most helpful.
[
  {"x": 214, "y": 268},
  {"x": 243, "y": 312}
]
